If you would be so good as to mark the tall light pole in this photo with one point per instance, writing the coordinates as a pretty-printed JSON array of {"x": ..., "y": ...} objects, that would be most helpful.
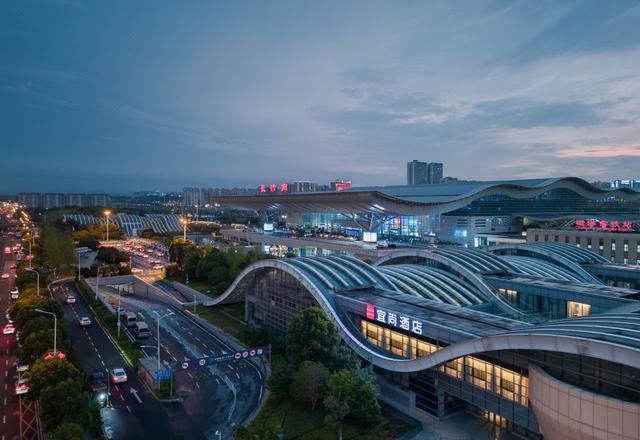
[
  {"x": 119, "y": 290},
  {"x": 38, "y": 280},
  {"x": 55, "y": 330},
  {"x": 184, "y": 228},
  {"x": 159, "y": 318},
  {"x": 107, "y": 213}
]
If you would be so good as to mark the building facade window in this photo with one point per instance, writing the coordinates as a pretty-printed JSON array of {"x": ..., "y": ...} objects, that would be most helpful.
[{"x": 576, "y": 309}]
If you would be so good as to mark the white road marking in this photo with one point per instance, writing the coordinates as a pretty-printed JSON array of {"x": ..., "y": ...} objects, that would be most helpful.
[
  {"x": 238, "y": 376},
  {"x": 197, "y": 385}
]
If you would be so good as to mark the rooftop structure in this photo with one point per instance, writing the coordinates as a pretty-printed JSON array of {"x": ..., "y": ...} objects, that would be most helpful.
[{"x": 483, "y": 331}]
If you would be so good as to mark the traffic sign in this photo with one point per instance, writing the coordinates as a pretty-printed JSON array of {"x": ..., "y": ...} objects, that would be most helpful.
[{"x": 211, "y": 360}]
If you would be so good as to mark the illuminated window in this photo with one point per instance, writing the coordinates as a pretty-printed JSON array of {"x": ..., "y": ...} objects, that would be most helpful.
[{"x": 576, "y": 309}]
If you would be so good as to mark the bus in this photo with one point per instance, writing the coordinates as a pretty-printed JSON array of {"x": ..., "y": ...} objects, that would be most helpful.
[{"x": 141, "y": 330}]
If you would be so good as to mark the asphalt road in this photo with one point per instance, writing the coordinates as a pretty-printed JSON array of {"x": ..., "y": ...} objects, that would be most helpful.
[
  {"x": 216, "y": 398},
  {"x": 9, "y": 414},
  {"x": 128, "y": 419}
]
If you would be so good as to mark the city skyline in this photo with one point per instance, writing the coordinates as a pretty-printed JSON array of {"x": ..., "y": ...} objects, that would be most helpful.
[{"x": 167, "y": 96}]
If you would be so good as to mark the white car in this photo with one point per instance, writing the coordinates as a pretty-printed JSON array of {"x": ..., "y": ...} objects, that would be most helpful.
[
  {"x": 70, "y": 299},
  {"x": 15, "y": 293},
  {"x": 158, "y": 266},
  {"x": 8, "y": 329},
  {"x": 84, "y": 321},
  {"x": 5, "y": 276},
  {"x": 118, "y": 375}
]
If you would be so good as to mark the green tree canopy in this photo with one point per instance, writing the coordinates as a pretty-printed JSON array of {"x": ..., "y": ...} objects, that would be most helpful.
[
  {"x": 45, "y": 373},
  {"x": 65, "y": 401},
  {"x": 311, "y": 337},
  {"x": 309, "y": 383},
  {"x": 68, "y": 431}
]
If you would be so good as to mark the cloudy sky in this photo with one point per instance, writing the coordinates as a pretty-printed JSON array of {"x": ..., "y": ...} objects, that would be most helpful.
[{"x": 128, "y": 95}]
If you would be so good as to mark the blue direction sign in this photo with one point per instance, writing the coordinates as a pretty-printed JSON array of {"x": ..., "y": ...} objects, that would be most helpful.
[
  {"x": 163, "y": 374},
  {"x": 238, "y": 355}
]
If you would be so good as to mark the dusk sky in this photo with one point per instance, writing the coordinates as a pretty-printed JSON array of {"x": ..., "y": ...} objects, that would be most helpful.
[{"x": 119, "y": 96}]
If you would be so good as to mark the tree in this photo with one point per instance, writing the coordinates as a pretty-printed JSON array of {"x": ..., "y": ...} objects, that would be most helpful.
[
  {"x": 65, "y": 401},
  {"x": 351, "y": 393},
  {"x": 364, "y": 404},
  {"x": 340, "y": 387},
  {"x": 111, "y": 255},
  {"x": 68, "y": 431},
  {"x": 36, "y": 344},
  {"x": 281, "y": 379},
  {"x": 309, "y": 382},
  {"x": 46, "y": 373},
  {"x": 311, "y": 337}
]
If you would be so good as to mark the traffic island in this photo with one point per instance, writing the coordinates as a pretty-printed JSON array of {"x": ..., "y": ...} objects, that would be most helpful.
[{"x": 158, "y": 381}]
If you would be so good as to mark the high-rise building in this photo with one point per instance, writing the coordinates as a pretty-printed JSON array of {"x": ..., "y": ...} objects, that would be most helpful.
[
  {"x": 419, "y": 173},
  {"x": 30, "y": 200},
  {"x": 301, "y": 186},
  {"x": 416, "y": 172},
  {"x": 434, "y": 172},
  {"x": 56, "y": 200},
  {"x": 632, "y": 184},
  {"x": 191, "y": 196}
]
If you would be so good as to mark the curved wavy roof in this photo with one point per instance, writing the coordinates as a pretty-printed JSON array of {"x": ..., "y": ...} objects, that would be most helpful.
[
  {"x": 565, "y": 256},
  {"x": 432, "y": 283},
  {"x": 540, "y": 268},
  {"x": 420, "y": 199},
  {"x": 614, "y": 337}
]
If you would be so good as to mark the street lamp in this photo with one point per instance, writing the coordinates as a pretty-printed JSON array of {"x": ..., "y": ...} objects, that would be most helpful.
[
  {"x": 55, "y": 330},
  {"x": 159, "y": 318},
  {"x": 184, "y": 222},
  {"x": 107, "y": 213},
  {"x": 38, "y": 280}
]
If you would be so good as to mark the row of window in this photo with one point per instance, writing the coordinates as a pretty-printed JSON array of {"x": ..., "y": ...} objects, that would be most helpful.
[{"x": 480, "y": 373}]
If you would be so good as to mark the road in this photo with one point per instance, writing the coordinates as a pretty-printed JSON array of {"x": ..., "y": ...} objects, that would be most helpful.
[
  {"x": 216, "y": 398},
  {"x": 9, "y": 402},
  {"x": 128, "y": 419}
]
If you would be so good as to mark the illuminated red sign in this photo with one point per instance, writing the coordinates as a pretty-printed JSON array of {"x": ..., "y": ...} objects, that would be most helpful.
[
  {"x": 371, "y": 312},
  {"x": 273, "y": 188},
  {"x": 604, "y": 225},
  {"x": 343, "y": 185}
]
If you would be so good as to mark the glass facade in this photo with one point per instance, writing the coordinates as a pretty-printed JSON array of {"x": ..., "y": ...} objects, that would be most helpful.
[
  {"x": 480, "y": 373},
  {"x": 555, "y": 201}
]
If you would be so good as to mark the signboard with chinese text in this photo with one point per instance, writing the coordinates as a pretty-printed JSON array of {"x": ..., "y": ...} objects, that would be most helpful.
[
  {"x": 604, "y": 225},
  {"x": 271, "y": 188},
  {"x": 394, "y": 319}
]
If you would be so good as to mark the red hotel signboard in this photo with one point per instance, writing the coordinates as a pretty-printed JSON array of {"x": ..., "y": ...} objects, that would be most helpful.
[
  {"x": 273, "y": 188},
  {"x": 604, "y": 225}
]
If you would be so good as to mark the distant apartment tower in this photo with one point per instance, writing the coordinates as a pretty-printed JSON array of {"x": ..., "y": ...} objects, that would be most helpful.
[
  {"x": 419, "y": 173},
  {"x": 30, "y": 200},
  {"x": 302, "y": 186},
  {"x": 58, "y": 200},
  {"x": 191, "y": 197},
  {"x": 631, "y": 184},
  {"x": 434, "y": 172}
]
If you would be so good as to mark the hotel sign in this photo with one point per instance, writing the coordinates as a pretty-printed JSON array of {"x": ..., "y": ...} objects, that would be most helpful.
[
  {"x": 604, "y": 225},
  {"x": 267, "y": 188},
  {"x": 394, "y": 319}
]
